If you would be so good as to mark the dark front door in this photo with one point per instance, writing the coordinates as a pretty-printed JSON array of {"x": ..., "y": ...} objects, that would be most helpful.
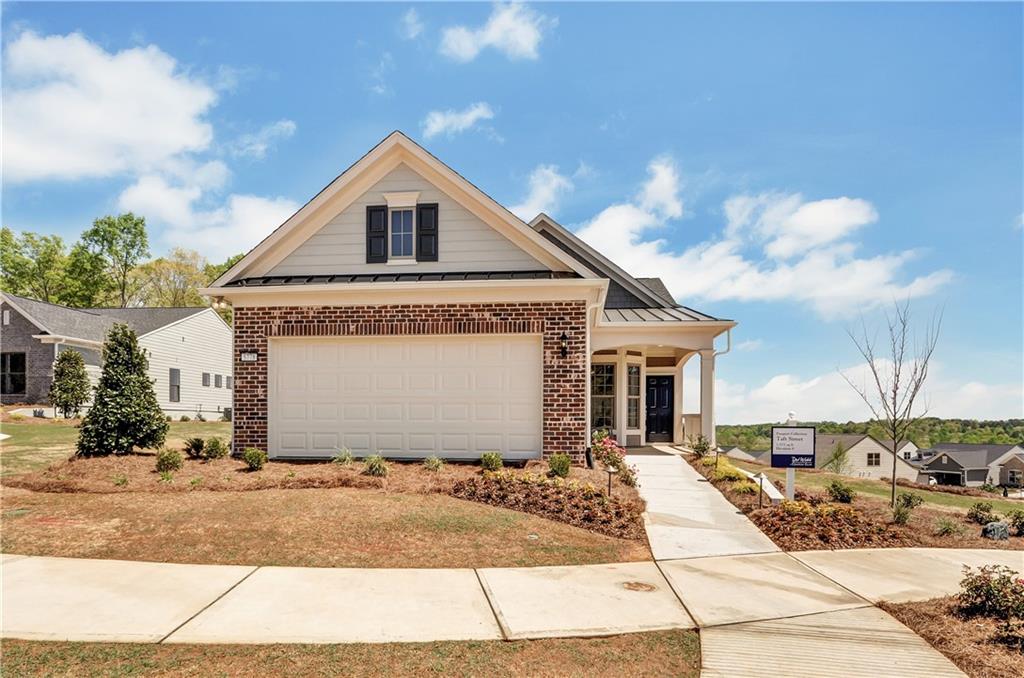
[{"x": 659, "y": 409}]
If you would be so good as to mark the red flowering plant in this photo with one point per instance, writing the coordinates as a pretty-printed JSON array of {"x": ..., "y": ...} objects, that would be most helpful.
[{"x": 607, "y": 451}]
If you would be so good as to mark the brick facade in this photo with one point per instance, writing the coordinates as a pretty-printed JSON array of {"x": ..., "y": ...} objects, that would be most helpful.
[
  {"x": 17, "y": 338},
  {"x": 564, "y": 379}
]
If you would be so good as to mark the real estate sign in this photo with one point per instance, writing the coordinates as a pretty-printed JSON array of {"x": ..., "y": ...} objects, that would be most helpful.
[{"x": 793, "y": 446}]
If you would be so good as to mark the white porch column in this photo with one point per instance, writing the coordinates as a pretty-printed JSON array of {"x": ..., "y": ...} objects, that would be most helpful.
[
  {"x": 707, "y": 395},
  {"x": 620, "y": 397}
]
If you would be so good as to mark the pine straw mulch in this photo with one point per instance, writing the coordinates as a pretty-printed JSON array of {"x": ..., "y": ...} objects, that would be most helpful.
[
  {"x": 137, "y": 473},
  {"x": 965, "y": 641},
  {"x": 816, "y": 523}
]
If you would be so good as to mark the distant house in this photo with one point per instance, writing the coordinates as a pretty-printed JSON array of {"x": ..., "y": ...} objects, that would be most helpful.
[
  {"x": 189, "y": 350},
  {"x": 907, "y": 449},
  {"x": 865, "y": 457},
  {"x": 736, "y": 452},
  {"x": 973, "y": 465}
]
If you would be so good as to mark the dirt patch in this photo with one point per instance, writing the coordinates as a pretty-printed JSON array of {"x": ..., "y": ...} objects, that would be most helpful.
[
  {"x": 340, "y": 527},
  {"x": 816, "y": 523},
  {"x": 965, "y": 641},
  {"x": 660, "y": 653}
]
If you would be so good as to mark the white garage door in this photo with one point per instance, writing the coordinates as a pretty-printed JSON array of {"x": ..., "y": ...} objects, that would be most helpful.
[{"x": 412, "y": 397}]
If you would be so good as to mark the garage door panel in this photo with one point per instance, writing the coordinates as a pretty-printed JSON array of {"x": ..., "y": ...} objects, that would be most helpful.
[{"x": 451, "y": 396}]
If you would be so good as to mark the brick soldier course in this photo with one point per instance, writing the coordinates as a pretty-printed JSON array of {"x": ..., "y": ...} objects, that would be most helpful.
[{"x": 564, "y": 379}]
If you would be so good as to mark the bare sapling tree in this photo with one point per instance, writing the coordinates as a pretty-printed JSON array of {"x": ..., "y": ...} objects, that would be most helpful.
[{"x": 896, "y": 380}]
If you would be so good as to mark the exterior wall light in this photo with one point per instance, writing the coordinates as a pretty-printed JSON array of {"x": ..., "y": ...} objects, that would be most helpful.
[{"x": 564, "y": 344}]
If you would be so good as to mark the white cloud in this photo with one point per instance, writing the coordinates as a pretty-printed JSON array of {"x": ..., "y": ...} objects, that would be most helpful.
[
  {"x": 73, "y": 110},
  {"x": 257, "y": 144},
  {"x": 410, "y": 25},
  {"x": 379, "y": 74},
  {"x": 770, "y": 249},
  {"x": 829, "y": 397},
  {"x": 514, "y": 29},
  {"x": 749, "y": 345},
  {"x": 547, "y": 187},
  {"x": 236, "y": 224},
  {"x": 451, "y": 122}
]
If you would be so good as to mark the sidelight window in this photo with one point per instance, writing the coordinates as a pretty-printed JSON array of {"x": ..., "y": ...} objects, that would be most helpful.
[
  {"x": 633, "y": 396},
  {"x": 602, "y": 395}
]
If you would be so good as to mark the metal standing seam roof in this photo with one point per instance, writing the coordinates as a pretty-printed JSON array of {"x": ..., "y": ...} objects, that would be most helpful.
[
  {"x": 650, "y": 315},
  {"x": 349, "y": 278}
]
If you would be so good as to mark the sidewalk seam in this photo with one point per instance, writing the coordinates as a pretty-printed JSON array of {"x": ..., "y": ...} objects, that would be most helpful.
[
  {"x": 506, "y": 633},
  {"x": 204, "y": 608},
  {"x": 822, "y": 574},
  {"x": 671, "y": 588}
]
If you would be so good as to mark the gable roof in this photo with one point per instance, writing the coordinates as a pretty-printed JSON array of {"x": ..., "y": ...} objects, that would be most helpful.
[
  {"x": 968, "y": 455},
  {"x": 394, "y": 149},
  {"x": 92, "y": 324},
  {"x": 656, "y": 302}
]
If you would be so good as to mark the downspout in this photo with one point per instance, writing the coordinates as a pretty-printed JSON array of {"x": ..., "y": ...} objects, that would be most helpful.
[{"x": 728, "y": 343}]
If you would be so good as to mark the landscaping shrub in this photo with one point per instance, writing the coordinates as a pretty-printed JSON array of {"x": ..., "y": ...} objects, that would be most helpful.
[
  {"x": 15, "y": 417},
  {"x": 216, "y": 449},
  {"x": 376, "y": 466},
  {"x": 254, "y": 458},
  {"x": 700, "y": 446},
  {"x": 70, "y": 387},
  {"x": 559, "y": 465},
  {"x": 343, "y": 457},
  {"x": 993, "y": 591},
  {"x": 125, "y": 413},
  {"x": 194, "y": 447},
  {"x": 727, "y": 471},
  {"x": 708, "y": 461},
  {"x": 906, "y": 502},
  {"x": 981, "y": 512},
  {"x": 1011, "y": 633},
  {"x": 166, "y": 476},
  {"x": 840, "y": 492},
  {"x": 433, "y": 463},
  {"x": 801, "y": 525},
  {"x": 947, "y": 527},
  {"x": 168, "y": 460},
  {"x": 200, "y": 417},
  {"x": 1016, "y": 519},
  {"x": 990, "y": 488},
  {"x": 611, "y": 455},
  {"x": 185, "y": 417},
  {"x": 567, "y": 501},
  {"x": 120, "y": 480},
  {"x": 491, "y": 461},
  {"x": 746, "y": 487}
]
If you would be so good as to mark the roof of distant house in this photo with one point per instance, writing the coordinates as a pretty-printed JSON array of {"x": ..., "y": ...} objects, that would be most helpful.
[
  {"x": 92, "y": 324},
  {"x": 969, "y": 455}
]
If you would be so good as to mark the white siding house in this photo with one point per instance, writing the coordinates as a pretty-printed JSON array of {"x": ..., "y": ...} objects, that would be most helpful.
[{"x": 865, "y": 457}]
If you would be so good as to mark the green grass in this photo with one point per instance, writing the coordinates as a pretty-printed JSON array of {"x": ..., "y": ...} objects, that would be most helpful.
[
  {"x": 817, "y": 480},
  {"x": 34, "y": 446},
  {"x": 659, "y": 653}
]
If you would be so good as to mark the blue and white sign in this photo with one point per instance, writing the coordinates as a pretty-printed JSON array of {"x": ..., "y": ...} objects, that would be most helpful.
[{"x": 793, "y": 446}]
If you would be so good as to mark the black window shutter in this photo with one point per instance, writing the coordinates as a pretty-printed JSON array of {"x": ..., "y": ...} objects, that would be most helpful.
[
  {"x": 376, "y": 234},
  {"x": 426, "y": 232}
]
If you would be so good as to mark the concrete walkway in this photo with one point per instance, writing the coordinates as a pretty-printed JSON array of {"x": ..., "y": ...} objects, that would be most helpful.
[{"x": 686, "y": 516}]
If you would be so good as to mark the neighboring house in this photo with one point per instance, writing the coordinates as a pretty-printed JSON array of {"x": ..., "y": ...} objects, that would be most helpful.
[
  {"x": 906, "y": 450},
  {"x": 402, "y": 310},
  {"x": 736, "y": 452},
  {"x": 865, "y": 457},
  {"x": 972, "y": 465},
  {"x": 189, "y": 350}
]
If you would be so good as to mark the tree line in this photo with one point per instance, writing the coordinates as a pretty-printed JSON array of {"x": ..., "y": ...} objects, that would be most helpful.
[
  {"x": 924, "y": 432},
  {"x": 109, "y": 266}
]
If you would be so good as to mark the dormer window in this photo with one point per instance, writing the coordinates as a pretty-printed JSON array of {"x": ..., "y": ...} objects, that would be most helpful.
[{"x": 401, "y": 234}]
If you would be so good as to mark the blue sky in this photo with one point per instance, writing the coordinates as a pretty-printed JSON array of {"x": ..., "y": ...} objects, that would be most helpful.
[{"x": 792, "y": 166}]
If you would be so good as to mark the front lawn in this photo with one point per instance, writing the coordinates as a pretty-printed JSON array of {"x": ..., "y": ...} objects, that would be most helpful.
[
  {"x": 660, "y": 653},
  {"x": 36, "y": 443},
  {"x": 339, "y": 527}
]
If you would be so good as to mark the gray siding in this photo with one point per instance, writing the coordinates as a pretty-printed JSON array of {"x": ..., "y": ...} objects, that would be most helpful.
[
  {"x": 465, "y": 242},
  {"x": 16, "y": 337}
]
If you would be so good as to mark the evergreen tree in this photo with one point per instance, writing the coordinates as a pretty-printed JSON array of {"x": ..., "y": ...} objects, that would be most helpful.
[
  {"x": 70, "y": 387},
  {"x": 125, "y": 413}
]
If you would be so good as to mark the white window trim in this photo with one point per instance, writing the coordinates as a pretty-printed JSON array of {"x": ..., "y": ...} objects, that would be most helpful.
[
  {"x": 639, "y": 397},
  {"x": 613, "y": 361},
  {"x": 402, "y": 200}
]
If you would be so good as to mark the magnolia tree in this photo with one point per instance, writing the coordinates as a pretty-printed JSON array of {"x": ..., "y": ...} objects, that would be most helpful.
[
  {"x": 69, "y": 389},
  {"x": 896, "y": 373},
  {"x": 125, "y": 413}
]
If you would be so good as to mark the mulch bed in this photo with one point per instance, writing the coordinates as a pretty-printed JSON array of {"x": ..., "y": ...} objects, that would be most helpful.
[
  {"x": 620, "y": 517},
  {"x": 580, "y": 505},
  {"x": 967, "y": 642},
  {"x": 818, "y": 524}
]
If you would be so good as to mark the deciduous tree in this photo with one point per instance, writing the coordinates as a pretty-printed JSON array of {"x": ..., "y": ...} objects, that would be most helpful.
[{"x": 122, "y": 244}]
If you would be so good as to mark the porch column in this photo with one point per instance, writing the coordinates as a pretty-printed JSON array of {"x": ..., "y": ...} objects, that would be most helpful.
[
  {"x": 707, "y": 395},
  {"x": 620, "y": 397}
]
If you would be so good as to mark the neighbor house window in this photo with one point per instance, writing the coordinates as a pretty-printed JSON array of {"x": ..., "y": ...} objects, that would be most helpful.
[
  {"x": 401, "y": 233},
  {"x": 602, "y": 395},
  {"x": 227, "y": 382},
  {"x": 906, "y": 455},
  {"x": 1016, "y": 475},
  {"x": 174, "y": 379},
  {"x": 218, "y": 381},
  {"x": 7, "y": 317},
  {"x": 633, "y": 396},
  {"x": 874, "y": 458},
  {"x": 206, "y": 378},
  {"x": 12, "y": 373}
]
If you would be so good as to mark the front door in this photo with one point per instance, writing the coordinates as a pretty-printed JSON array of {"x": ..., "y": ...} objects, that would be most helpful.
[{"x": 659, "y": 408}]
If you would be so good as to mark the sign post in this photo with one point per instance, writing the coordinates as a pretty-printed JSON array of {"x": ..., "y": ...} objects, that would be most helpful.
[{"x": 792, "y": 448}]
